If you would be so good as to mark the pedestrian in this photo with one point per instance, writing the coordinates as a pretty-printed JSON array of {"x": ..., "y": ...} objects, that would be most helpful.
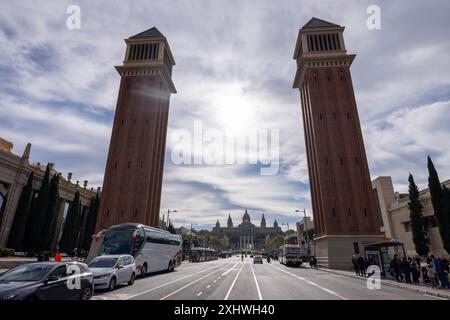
[
  {"x": 366, "y": 264},
  {"x": 425, "y": 275},
  {"x": 58, "y": 257},
  {"x": 355, "y": 265},
  {"x": 443, "y": 279},
  {"x": 432, "y": 276},
  {"x": 415, "y": 271},
  {"x": 395, "y": 268},
  {"x": 362, "y": 270},
  {"x": 406, "y": 269},
  {"x": 311, "y": 261}
]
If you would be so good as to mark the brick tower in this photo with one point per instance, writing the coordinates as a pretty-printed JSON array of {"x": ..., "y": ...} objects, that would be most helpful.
[
  {"x": 342, "y": 200},
  {"x": 134, "y": 169}
]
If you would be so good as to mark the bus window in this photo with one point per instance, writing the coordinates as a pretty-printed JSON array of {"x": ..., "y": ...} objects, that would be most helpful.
[
  {"x": 138, "y": 242},
  {"x": 118, "y": 242}
]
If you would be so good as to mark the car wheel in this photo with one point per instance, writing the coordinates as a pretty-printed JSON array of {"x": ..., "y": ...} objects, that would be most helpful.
[
  {"x": 144, "y": 271},
  {"x": 133, "y": 277},
  {"x": 112, "y": 284},
  {"x": 169, "y": 268},
  {"x": 86, "y": 294}
]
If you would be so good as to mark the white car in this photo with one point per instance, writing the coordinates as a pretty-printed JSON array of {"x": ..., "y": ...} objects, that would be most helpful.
[
  {"x": 257, "y": 259},
  {"x": 111, "y": 270}
]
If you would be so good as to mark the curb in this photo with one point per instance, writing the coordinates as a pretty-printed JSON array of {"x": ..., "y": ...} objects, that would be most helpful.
[{"x": 388, "y": 283}]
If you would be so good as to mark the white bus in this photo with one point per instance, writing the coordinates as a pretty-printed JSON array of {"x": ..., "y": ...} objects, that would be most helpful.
[
  {"x": 153, "y": 249},
  {"x": 290, "y": 255}
]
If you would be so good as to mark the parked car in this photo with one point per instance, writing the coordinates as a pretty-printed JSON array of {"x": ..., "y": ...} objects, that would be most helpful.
[
  {"x": 257, "y": 259},
  {"x": 47, "y": 281},
  {"x": 111, "y": 270}
]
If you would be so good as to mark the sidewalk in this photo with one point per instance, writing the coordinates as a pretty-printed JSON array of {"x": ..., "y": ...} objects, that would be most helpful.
[{"x": 419, "y": 288}]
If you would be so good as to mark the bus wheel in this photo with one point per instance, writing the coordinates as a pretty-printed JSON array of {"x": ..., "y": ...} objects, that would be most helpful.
[{"x": 144, "y": 271}]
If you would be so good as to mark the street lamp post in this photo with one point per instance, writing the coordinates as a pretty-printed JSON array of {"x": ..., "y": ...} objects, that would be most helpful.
[
  {"x": 287, "y": 235},
  {"x": 305, "y": 228}
]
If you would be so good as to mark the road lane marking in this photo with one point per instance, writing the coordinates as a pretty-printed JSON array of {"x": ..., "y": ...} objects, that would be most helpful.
[
  {"x": 199, "y": 294},
  {"x": 189, "y": 284},
  {"x": 214, "y": 281},
  {"x": 165, "y": 284},
  {"x": 229, "y": 270},
  {"x": 234, "y": 281},
  {"x": 208, "y": 286},
  {"x": 256, "y": 281},
  {"x": 311, "y": 283}
]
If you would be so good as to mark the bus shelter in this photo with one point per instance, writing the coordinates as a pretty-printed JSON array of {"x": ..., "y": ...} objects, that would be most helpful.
[{"x": 381, "y": 253}]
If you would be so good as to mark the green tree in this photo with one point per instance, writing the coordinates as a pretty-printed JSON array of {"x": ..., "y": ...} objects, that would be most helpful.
[
  {"x": 49, "y": 224},
  {"x": 71, "y": 229},
  {"x": 37, "y": 214},
  {"x": 420, "y": 239},
  {"x": 275, "y": 242},
  {"x": 16, "y": 234},
  {"x": 91, "y": 221},
  {"x": 440, "y": 203}
]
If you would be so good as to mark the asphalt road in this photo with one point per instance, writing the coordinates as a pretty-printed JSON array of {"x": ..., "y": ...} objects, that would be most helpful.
[{"x": 231, "y": 279}]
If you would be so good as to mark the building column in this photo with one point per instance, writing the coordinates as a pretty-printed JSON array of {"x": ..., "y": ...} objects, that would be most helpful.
[
  {"x": 59, "y": 221},
  {"x": 12, "y": 200}
]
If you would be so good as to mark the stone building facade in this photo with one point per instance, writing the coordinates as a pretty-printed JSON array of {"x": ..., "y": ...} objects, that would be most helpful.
[
  {"x": 246, "y": 235},
  {"x": 14, "y": 172},
  {"x": 392, "y": 208}
]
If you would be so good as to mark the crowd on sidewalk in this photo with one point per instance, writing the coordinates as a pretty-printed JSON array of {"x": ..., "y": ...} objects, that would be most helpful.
[{"x": 435, "y": 271}]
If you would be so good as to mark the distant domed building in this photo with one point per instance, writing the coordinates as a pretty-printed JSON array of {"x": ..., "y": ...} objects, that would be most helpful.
[{"x": 246, "y": 235}]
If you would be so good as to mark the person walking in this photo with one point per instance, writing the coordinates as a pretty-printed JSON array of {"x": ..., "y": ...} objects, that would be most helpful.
[
  {"x": 362, "y": 270},
  {"x": 58, "y": 256},
  {"x": 406, "y": 269},
  {"x": 432, "y": 276},
  {"x": 443, "y": 279},
  {"x": 395, "y": 266},
  {"x": 355, "y": 265},
  {"x": 415, "y": 271}
]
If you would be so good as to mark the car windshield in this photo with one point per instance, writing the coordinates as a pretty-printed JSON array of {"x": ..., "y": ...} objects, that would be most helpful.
[
  {"x": 103, "y": 263},
  {"x": 28, "y": 272}
]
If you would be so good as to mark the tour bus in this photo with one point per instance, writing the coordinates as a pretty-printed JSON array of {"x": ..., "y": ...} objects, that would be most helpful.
[
  {"x": 153, "y": 249},
  {"x": 199, "y": 254},
  {"x": 290, "y": 255}
]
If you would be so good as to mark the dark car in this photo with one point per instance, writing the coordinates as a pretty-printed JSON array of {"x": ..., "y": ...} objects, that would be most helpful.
[{"x": 47, "y": 281}]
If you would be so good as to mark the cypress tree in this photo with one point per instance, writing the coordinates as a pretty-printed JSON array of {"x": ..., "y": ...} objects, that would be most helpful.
[
  {"x": 17, "y": 232},
  {"x": 37, "y": 215},
  {"x": 90, "y": 223},
  {"x": 438, "y": 201},
  {"x": 420, "y": 239},
  {"x": 71, "y": 230},
  {"x": 49, "y": 224}
]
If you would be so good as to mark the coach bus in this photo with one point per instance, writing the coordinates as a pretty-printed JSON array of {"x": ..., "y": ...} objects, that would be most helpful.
[
  {"x": 199, "y": 254},
  {"x": 290, "y": 255},
  {"x": 153, "y": 249}
]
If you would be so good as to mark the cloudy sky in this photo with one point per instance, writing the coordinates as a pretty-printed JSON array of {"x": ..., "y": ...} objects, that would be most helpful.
[{"x": 234, "y": 70}]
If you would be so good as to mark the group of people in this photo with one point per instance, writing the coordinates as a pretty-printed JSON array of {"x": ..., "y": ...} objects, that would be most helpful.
[
  {"x": 360, "y": 265},
  {"x": 435, "y": 271}
]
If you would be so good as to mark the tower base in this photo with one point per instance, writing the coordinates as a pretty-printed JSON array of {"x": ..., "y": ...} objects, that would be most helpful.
[{"x": 335, "y": 252}]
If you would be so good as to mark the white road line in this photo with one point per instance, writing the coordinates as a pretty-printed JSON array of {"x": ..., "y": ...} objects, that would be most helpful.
[
  {"x": 189, "y": 284},
  {"x": 165, "y": 284},
  {"x": 311, "y": 283},
  {"x": 214, "y": 281},
  {"x": 199, "y": 294},
  {"x": 232, "y": 284},
  {"x": 208, "y": 286},
  {"x": 229, "y": 270},
  {"x": 256, "y": 281}
]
